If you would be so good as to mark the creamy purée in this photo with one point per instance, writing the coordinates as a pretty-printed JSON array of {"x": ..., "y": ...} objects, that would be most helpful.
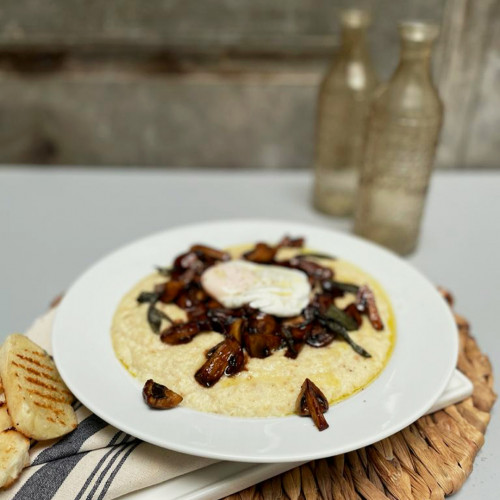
[{"x": 267, "y": 387}]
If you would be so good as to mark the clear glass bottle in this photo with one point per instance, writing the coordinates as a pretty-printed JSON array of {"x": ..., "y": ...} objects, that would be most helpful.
[
  {"x": 403, "y": 130},
  {"x": 343, "y": 106}
]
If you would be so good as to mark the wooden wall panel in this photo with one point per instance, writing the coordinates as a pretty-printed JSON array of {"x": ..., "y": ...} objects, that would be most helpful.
[
  {"x": 483, "y": 135},
  {"x": 195, "y": 119},
  {"x": 465, "y": 58},
  {"x": 219, "y": 82}
]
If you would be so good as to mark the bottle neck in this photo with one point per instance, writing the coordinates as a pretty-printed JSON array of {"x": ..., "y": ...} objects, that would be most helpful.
[
  {"x": 415, "y": 59},
  {"x": 353, "y": 42}
]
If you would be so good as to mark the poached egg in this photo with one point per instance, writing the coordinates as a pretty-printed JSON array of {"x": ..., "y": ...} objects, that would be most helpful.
[{"x": 271, "y": 289}]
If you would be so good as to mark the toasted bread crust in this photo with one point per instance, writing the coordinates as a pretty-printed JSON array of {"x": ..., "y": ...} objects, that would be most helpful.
[
  {"x": 37, "y": 398},
  {"x": 5, "y": 420},
  {"x": 14, "y": 456}
]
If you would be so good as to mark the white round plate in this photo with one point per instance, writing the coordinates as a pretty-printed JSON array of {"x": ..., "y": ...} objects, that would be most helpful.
[{"x": 421, "y": 365}]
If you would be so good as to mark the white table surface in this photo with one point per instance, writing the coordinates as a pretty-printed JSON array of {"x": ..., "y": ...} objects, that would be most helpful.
[{"x": 54, "y": 223}]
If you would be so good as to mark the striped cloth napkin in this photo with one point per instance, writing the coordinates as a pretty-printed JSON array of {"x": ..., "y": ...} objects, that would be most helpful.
[{"x": 96, "y": 460}]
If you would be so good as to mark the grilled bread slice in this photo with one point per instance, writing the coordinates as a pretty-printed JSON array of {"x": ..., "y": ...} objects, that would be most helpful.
[
  {"x": 5, "y": 420},
  {"x": 39, "y": 402},
  {"x": 14, "y": 456}
]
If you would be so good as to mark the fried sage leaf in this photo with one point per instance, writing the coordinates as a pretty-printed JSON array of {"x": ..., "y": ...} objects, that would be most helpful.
[
  {"x": 335, "y": 327},
  {"x": 341, "y": 317},
  {"x": 330, "y": 285},
  {"x": 226, "y": 359},
  {"x": 312, "y": 403},
  {"x": 148, "y": 297},
  {"x": 314, "y": 255},
  {"x": 160, "y": 397},
  {"x": 164, "y": 271},
  {"x": 155, "y": 317}
]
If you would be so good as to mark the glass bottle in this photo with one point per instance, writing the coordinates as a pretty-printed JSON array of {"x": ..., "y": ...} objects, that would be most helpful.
[
  {"x": 403, "y": 129},
  {"x": 343, "y": 106}
]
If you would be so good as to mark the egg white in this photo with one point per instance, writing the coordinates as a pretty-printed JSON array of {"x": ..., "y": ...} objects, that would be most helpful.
[{"x": 271, "y": 289}]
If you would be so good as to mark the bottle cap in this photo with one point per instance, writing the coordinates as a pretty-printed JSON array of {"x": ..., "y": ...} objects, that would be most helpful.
[
  {"x": 355, "y": 18},
  {"x": 418, "y": 31}
]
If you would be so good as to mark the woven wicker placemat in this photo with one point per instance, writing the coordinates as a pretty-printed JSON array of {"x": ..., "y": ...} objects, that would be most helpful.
[{"x": 427, "y": 460}]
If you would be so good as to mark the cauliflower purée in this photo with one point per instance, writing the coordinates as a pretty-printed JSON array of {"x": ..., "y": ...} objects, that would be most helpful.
[{"x": 267, "y": 387}]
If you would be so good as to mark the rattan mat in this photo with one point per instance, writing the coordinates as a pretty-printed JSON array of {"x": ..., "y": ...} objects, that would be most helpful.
[{"x": 429, "y": 459}]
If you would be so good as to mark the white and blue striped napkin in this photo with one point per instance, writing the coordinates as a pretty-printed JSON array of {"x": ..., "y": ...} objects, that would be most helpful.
[{"x": 96, "y": 461}]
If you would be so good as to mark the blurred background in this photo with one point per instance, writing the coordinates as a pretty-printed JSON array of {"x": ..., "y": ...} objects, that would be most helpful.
[{"x": 219, "y": 83}]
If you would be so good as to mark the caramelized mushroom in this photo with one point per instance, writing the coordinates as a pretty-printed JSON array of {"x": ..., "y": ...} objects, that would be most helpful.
[
  {"x": 213, "y": 304},
  {"x": 236, "y": 330},
  {"x": 262, "y": 323},
  {"x": 198, "y": 311},
  {"x": 220, "y": 318},
  {"x": 170, "y": 291},
  {"x": 261, "y": 345},
  {"x": 365, "y": 303},
  {"x": 226, "y": 359},
  {"x": 312, "y": 403},
  {"x": 352, "y": 311},
  {"x": 258, "y": 333},
  {"x": 298, "y": 327},
  {"x": 181, "y": 333},
  {"x": 208, "y": 253},
  {"x": 314, "y": 271},
  {"x": 319, "y": 336},
  {"x": 295, "y": 331},
  {"x": 261, "y": 337},
  {"x": 188, "y": 260},
  {"x": 261, "y": 254},
  {"x": 290, "y": 242},
  {"x": 321, "y": 302},
  {"x": 159, "y": 397},
  {"x": 183, "y": 275},
  {"x": 210, "y": 351},
  {"x": 191, "y": 296}
]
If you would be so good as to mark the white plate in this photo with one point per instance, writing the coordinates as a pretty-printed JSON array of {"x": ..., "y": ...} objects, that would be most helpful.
[
  {"x": 421, "y": 365},
  {"x": 224, "y": 478}
]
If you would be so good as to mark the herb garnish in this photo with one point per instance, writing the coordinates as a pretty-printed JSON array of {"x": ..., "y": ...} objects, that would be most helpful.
[{"x": 155, "y": 317}]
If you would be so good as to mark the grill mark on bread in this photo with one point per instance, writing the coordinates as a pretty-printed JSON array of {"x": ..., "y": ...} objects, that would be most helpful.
[
  {"x": 34, "y": 361},
  {"x": 55, "y": 420},
  {"x": 42, "y": 355},
  {"x": 57, "y": 411},
  {"x": 49, "y": 387},
  {"x": 36, "y": 372},
  {"x": 38, "y": 397},
  {"x": 47, "y": 396}
]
